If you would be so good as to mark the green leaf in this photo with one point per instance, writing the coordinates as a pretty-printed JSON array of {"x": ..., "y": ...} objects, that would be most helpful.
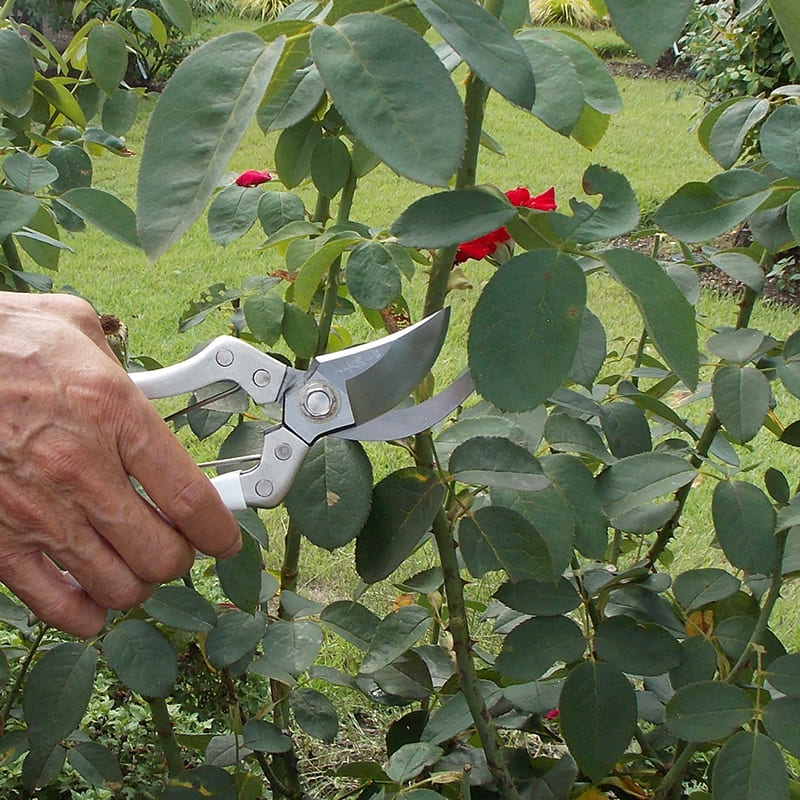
[
  {"x": 732, "y": 126},
  {"x": 206, "y": 781},
  {"x": 700, "y": 211},
  {"x": 292, "y": 646},
  {"x": 599, "y": 88},
  {"x": 786, "y": 12},
  {"x": 179, "y": 13},
  {"x": 411, "y": 759},
  {"x": 497, "y": 462},
  {"x": 744, "y": 521},
  {"x": 28, "y": 173},
  {"x": 232, "y": 213},
  {"x": 107, "y": 56},
  {"x": 591, "y": 353},
  {"x": 388, "y": 96},
  {"x": 313, "y": 269},
  {"x": 294, "y": 149},
  {"x": 395, "y": 634},
  {"x": 372, "y": 275},
  {"x": 96, "y": 764},
  {"x": 403, "y": 507},
  {"x": 182, "y": 608},
  {"x": 668, "y": 316},
  {"x": 16, "y": 73},
  {"x": 105, "y": 211},
  {"x": 637, "y": 480},
  {"x": 330, "y": 165},
  {"x": 448, "y": 218},
  {"x": 264, "y": 737},
  {"x": 61, "y": 99},
  {"x": 276, "y": 209},
  {"x": 626, "y": 429},
  {"x": 535, "y": 645},
  {"x": 740, "y": 345},
  {"x": 16, "y": 211},
  {"x": 407, "y": 677},
  {"x": 42, "y": 765},
  {"x": 486, "y": 45},
  {"x": 539, "y": 599},
  {"x": 699, "y": 587},
  {"x": 780, "y": 139},
  {"x": 618, "y": 212},
  {"x": 142, "y": 657},
  {"x": 698, "y": 662},
  {"x": 264, "y": 316},
  {"x": 331, "y": 496},
  {"x": 119, "y": 112},
  {"x": 749, "y": 767},
  {"x": 559, "y": 93},
  {"x": 352, "y": 621},
  {"x": 636, "y": 648},
  {"x": 598, "y": 716},
  {"x": 741, "y": 400},
  {"x": 524, "y": 331},
  {"x": 58, "y": 691},
  {"x": 300, "y": 331},
  {"x": 240, "y": 575},
  {"x": 187, "y": 147},
  {"x": 315, "y": 714},
  {"x": 453, "y": 716},
  {"x": 649, "y": 26},
  {"x": 496, "y": 537},
  {"x": 236, "y": 634},
  {"x": 784, "y": 674},
  {"x": 780, "y": 722},
  {"x": 707, "y": 710},
  {"x": 74, "y": 167}
]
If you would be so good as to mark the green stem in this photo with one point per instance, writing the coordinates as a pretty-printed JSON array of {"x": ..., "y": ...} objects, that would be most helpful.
[
  {"x": 675, "y": 772},
  {"x": 166, "y": 735},
  {"x": 474, "y": 106},
  {"x": 462, "y": 645},
  {"x": 14, "y": 690},
  {"x": 6, "y": 9}
]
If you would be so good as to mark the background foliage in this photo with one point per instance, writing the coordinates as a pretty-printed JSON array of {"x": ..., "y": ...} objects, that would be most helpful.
[{"x": 528, "y": 539}]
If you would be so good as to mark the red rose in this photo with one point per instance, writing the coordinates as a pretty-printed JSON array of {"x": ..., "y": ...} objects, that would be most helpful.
[
  {"x": 253, "y": 177},
  {"x": 485, "y": 245}
]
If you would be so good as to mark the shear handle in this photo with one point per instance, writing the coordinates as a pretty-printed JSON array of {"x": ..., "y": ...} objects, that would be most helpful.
[{"x": 224, "y": 359}]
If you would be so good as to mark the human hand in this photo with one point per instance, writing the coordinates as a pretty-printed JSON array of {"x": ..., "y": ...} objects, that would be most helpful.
[{"x": 73, "y": 430}]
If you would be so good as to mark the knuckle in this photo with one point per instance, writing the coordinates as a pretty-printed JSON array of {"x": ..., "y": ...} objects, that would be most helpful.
[
  {"x": 185, "y": 500},
  {"x": 172, "y": 562}
]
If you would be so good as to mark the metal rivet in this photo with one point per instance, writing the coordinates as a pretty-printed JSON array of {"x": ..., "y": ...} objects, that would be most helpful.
[
  {"x": 283, "y": 452},
  {"x": 264, "y": 488},
  {"x": 224, "y": 357},
  {"x": 261, "y": 378}
]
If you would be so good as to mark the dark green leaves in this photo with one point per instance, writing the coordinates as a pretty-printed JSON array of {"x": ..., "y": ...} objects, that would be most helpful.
[
  {"x": 16, "y": 73},
  {"x": 741, "y": 400},
  {"x": 707, "y": 710},
  {"x": 598, "y": 716},
  {"x": 372, "y": 275},
  {"x": 105, "y": 211},
  {"x": 700, "y": 211},
  {"x": 667, "y": 314},
  {"x": 448, "y": 218},
  {"x": 750, "y": 767},
  {"x": 744, "y": 520},
  {"x": 525, "y": 328},
  {"x": 650, "y": 26},
  {"x": 403, "y": 507},
  {"x": 780, "y": 139},
  {"x": 188, "y": 146},
  {"x": 331, "y": 496},
  {"x": 389, "y": 95},
  {"x": 107, "y": 56},
  {"x": 486, "y": 45},
  {"x": 142, "y": 657},
  {"x": 535, "y": 645}
]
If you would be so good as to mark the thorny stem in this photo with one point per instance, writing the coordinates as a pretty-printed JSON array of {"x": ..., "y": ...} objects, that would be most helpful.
[
  {"x": 675, "y": 772},
  {"x": 703, "y": 446},
  {"x": 166, "y": 735},
  {"x": 14, "y": 690}
]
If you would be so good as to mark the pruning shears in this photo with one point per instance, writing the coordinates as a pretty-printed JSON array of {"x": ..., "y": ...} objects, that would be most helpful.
[{"x": 351, "y": 394}]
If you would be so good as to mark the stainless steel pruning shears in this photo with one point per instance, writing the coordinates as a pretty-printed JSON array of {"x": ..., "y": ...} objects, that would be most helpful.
[{"x": 351, "y": 394}]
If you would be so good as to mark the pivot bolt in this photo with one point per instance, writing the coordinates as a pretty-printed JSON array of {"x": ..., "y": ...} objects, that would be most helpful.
[{"x": 318, "y": 401}]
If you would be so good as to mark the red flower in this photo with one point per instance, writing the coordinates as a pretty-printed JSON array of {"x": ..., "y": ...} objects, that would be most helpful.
[
  {"x": 253, "y": 177},
  {"x": 485, "y": 245},
  {"x": 552, "y": 714}
]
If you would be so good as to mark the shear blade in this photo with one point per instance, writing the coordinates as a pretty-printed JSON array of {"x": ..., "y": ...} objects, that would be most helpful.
[
  {"x": 378, "y": 375},
  {"x": 402, "y": 422}
]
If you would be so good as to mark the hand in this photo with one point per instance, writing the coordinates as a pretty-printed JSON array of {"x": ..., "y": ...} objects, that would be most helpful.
[{"x": 73, "y": 431}]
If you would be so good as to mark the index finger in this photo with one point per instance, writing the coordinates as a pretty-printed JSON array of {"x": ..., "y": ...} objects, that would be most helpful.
[{"x": 180, "y": 489}]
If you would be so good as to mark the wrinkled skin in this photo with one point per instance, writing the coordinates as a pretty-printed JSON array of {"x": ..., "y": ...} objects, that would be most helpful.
[{"x": 76, "y": 538}]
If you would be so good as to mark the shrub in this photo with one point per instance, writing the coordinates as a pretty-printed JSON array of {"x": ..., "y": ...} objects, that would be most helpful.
[{"x": 575, "y": 13}]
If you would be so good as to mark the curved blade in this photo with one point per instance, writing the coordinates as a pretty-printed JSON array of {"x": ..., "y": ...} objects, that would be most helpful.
[
  {"x": 402, "y": 422},
  {"x": 378, "y": 375}
]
